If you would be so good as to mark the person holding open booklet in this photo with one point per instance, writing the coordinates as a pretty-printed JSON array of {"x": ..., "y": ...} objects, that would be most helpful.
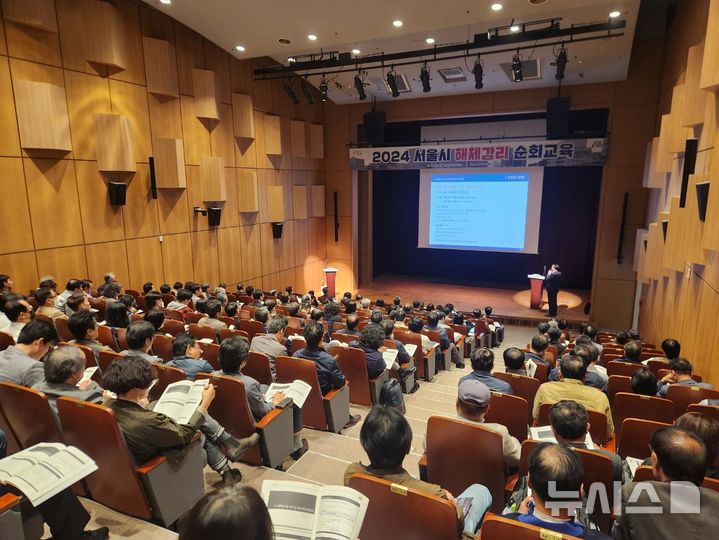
[{"x": 177, "y": 415}]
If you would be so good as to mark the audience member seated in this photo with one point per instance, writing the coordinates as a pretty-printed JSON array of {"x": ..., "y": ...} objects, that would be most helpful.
[
  {"x": 371, "y": 341},
  {"x": 670, "y": 507},
  {"x": 6, "y": 284},
  {"x": 214, "y": 308},
  {"x": 352, "y": 323},
  {"x": 233, "y": 358},
  {"x": 543, "y": 328},
  {"x": 644, "y": 382},
  {"x": 272, "y": 343},
  {"x": 46, "y": 304},
  {"x": 591, "y": 332},
  {"x": 64, "y": 368},
  {"x": 444, "y": 341},
  {"x": 72, "y": 286},
  {"x": 415, "y": 326},
  {"x": 156, "y": 318},
  {"x": 83, "y": 326},
  {"x": 106, "y": 280},
  {"x": 514, "y": 361},
  {"x": 257, "y": 297},
  {"x": 555, "y": 478},
  {"x": 63, "y": 513},
  {"x": 482, "y": 366},
  {"x": 707, "y": 429},
  {"x": 621, "y": 339},
  {"x": 671, "y": 349},
  {"x": 228, "y": 513},
  {"x": 21, "y": 363},
  {"x": 19, "y": 313},
  {"x": 117, "y": 316},
  {"x": 681, "y": 373},
  {"x": 571, "y": 386},
  {"x": 386, "y": 437},
  {"x": 554, "y": 335},
  {"x": 538, "y": 345},
  {"x": 129, "y": 301},
  {"x": 4, "y": 299},
  {"x": 262, "y": 314},
  {"x": 632, "y": 352},
  {"x": 149, "y": 434},
  {"x": 140, "y": 336},
  {"x": 596, "y": 376},
  {"x": 187, "y": 356},
  {"x": 153, "y": 301},
  {"x": 570, "y": 424},
  {"x": 111, "y": 293},
  {"x": 331, "y": 315},
  {"x": 181, "y": 303},
  {"x": 388, "y": 327},
  {"x": 78, "y": 301}
]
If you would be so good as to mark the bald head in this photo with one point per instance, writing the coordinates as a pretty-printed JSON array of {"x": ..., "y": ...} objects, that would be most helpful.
[
  {"x": 678, "y": 455},
  {"x": 558, "y": 464},
  {"x": 63, "y": 364}
]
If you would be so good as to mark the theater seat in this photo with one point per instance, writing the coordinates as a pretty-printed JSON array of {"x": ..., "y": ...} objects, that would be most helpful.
[
  {"x": 162, "y": 347},
  {"x": 510, "y": 411},
  {"x": 445, "y": 357},
  {"x": 683, "y": 395},
  {"x": 426, "y": 367},
  {"x": 252, "y": 328},
  {"x": 622, "y": 368},
  {"x": 63, "y": 330},
  {"x": 636, "y": 434},
  {"x": 172, "y": 327},
  {"x": 16, "y": 524},
  {"x": 353, "y": 363},
  {"x": 597, "y": 423},
  {"x": 174, "y": 315},
  {"x": 107, "y": 358},
  {"x": 156, "y": 490},
  {"x": 226, "y": 333},
  {"x": 343, "y": 338},
  {"x": 616, "y": 384},
  {"x": 28, "y": 413},
  {"x": 398, "y": 512},
  {"x": 330, "y": 412},
  {"x": 211, "y": 353},
  {"x": 192, "y": 317},
  {"x": 500, "y": 528},
  {"x": 105, "y": 336},
  {"x": 166, "y": 375},
  {"x": 522, "y": 386},
  {"x": 707, "y": 410},
  {"x": 5, "y": 341},
  {"x": 231, "y": 410},
  {"x": 258, "y": 367},
  {"x": 202, "y": 332},
  {"x": 638, "y": 406}
]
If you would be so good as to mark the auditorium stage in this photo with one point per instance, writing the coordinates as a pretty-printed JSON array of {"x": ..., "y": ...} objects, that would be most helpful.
[{"x": 511, "y": 304}]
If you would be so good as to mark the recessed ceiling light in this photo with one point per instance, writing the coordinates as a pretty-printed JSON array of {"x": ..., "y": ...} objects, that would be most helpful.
[
  {"x": 614, "y": 14},
  {"x": 166, "y": 2},
  {"x": 397, "y": 23},
  {"x": 312, "y": 37},
  {"x": 291, "y": 60},
  {"x": 430, "y": 41},
  {"x": 239, "y": 48},
  {"x": 356, "y": 51},
  {"x": 514, "y": 28},
  {"x": 496, "y": 6}
]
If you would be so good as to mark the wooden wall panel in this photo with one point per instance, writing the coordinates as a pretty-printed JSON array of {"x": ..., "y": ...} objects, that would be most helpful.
[
  {"x": 251, "y": 251},
  {"x": 31, "y": 30},
  {"x": 165, "y": 117},
  {"x": 141, "y": 212},
  {"x": 42, "y": 116},
  {"x": 22, "y": 268},
  {"x": 230, "y": 208},
  {"x": 86, "y": 95},
  {"x": 299, "y": 202},
  {"x": 115, "y": 152},
  {"x": 130, "y": 100},
  {"x": 144, "y": 261},
  {"x": 169, "y": 160},
  {"x": 177, "y": 258},
  {"x": 9, "y": 138},
  {"x": 247, "y": 194},
  {"x": 101, "y": 222},
  {"x": 218, "y": 61},
  {"x": 270, "y": 250},
  {"x": 694, "y": 98},
  {"x": 174, "y": 217},
  {"x": 205, "y": 261},
  {"x": 190, "y": 54},
  {"x": 243, "y": 116},
  {"x": 221, "y": 137},
  {"x": 160, "y": 67},
  {"x": 203, "y": 81},
  {"x": 297, "y": 138},
  {"x": 62, "y": 263},
  {"x": 229, "y": 244},
  {"x": 107, "y": 257},
  {"x": 301, "y": 241},
  {"x": 710, "y": 62},
  {"x": 14, "y": 212},
  {"x": 195, "y": 134}
]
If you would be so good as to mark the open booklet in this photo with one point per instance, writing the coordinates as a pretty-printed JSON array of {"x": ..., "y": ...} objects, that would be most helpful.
[
  {"x": 545, "y": 434},
  {"x": 531, "y": 368},
  {"x": 180, "y": 400},
  {"x": 411, "y": 349},
  {"x": 633, "y": 464},
  {"x": 297, "y": 390},
  {"x": 390, "y": 356},
  {"x": 87, "y": 375},
  {"x": 44, "y": 470},
  {"x": 308, "y": 512}
]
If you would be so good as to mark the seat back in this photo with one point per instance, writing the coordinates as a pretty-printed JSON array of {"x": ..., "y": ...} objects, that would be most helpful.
[
  {"x": 100, "y": 305},
  {"x": 684, "y": 395},
  {"x": 94, "y": 430},
  {"x": 622, "y": 368},
  {"x": 510, "y": 411},
  {"x": 416, "y": 514},
  {"x": 628, "y": 405},
  {"x": 290, "y": 368},
  {"x": 541, "y": 373},
  {"x": 664, "y": 372},
  {"x": 120, "y": 334},
  {"x": 636, "y": 434},
  {"x": 63, "y": 330},
  {"x": 29, "y": 415},
  {"x": 252, "y": 328},
  {"x": 707, "y": 410},
  {"x": 193, "y": 317},
  {"x": 522, "y": 386},
  {"x": 343, "y": 338},
  {"x": 655, "y": 365},
  {"x": 597, "y": 422},
  {"x": 258, "y": 367},
  {"x": 202, "y": 332},
  {"x": 173, "y": 315},
  {"x": 231, "y": 409},
  {"x": 500, "y": 528},
  {"x": 618, "y": 383},
  {"x": 166, "y": 375},
  {"x": 353, "y": 365},
  {"x": 211, "y": 353},
  {"x": 172, "y": 327},
  {"x": 226, "y": 333},
  {"x": 104, "y": 336},
  {"x": 107, "y": 358},
  {"x": 297, "y": 344},
  {"x": 412, "y": 338},
  {"x": 90, "y": 360},
  {"x": 5, "y": 341},
  {"x": 162, "y": 347},
  {"x": 444, "y": 436}
]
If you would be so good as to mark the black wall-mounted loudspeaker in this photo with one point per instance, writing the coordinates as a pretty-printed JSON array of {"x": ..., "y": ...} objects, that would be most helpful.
[
  {"x": 690, "y": 161},
  {"x": 153, "y": 178},
  {"x": 337, "y": 219},
  {"x": 117, "y": 192},
  {"x": 620, "y": 244},
  {"x": 702, "y": 198},
  {"x": 214, "y": 216},
  {"x": 277, "y": 229},
  {"x": 558, "y": 118},
  {"x": 373, "y": 124},
  {"x": 665, "y": 226}
]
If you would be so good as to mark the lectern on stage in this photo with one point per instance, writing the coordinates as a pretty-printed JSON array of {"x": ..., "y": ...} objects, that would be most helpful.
[
  {"x": 330, "y": 275},
  {"x": 535, "y": 288}
]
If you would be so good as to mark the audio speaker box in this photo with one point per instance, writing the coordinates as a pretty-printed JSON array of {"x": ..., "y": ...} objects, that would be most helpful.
[
  {"x": 117, "y": 192},
  {"x": 690, "y": 161},
  {"x": 374, "y": 124},
  {"x": 558, "y": 118},
  {"x": 214, "y": 216},
  {"x": 702, "y": 198},
  {"x": 153, "y": 178},
  {"x": 277, "y": 229}
]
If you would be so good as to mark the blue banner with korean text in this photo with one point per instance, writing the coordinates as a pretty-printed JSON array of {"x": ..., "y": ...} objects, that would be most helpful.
[{"x": 539, "y": 153}]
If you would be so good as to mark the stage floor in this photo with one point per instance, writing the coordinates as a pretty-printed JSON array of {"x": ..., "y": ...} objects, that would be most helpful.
[{"x": 510, "y": 304}]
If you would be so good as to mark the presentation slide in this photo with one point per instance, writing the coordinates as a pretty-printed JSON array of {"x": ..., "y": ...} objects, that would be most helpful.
[{"x": 483, "y": 210}]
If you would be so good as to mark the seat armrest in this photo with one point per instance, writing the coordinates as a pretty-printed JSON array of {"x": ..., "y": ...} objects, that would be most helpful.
[
  {"x": 277, "y": 439},
  {"x": 423, "y": 467},
  {"x": 148, "y": 466},
  {"x": 270, "y": 416},
  {"x": 8, "y": 501}
]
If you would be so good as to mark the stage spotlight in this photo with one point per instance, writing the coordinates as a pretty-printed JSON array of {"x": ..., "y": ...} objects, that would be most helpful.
[
  {"x": 323, "y": 88},
  {"x": 287, "y": 87},
  {"x": 561, "y": 60},
  {"x": 517, "y": 67},
  {"x": 392, "y": 83},
  {"x": 306, "y": 91},
  {"x": 359, "y": 86},
  {"x": 424, "y": 77},
  {"x": 478, "y": 73}
]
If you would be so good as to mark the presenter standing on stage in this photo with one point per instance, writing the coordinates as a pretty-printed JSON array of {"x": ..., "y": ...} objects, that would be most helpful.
[{"x": 551, "y": 285}]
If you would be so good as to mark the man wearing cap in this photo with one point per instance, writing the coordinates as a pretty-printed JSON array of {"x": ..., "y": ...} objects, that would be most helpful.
[{"x": 473, "y": 398}]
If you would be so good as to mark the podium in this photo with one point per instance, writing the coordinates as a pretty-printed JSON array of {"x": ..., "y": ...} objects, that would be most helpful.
[
  {"x": 330, "y": 278},
  {"x": 535, "y": 290}
]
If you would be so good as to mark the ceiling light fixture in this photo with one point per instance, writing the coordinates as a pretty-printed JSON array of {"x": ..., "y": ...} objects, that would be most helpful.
[
  {"x": 166, "y": 2},
  {"x": 356, "y": 51},
  {"x": 287, "y": 87},
  {"x": 429, "y": 41},
  {"x": 291, "y": 60},
  {"x": 424, "y": 78},
  {"x": 514, "y": 28},
  {"x": 496, "y": 6},
  {"x": 478, "y": 73},
  {"x": 392, "y": 82},
  {"x": 312, "y": 37},
  {"x": 239, "y": 48},
  {"x": 306, "y": 91},
  {"x": 561, "y": 63},
  {"x": 359, "y": 86},
  {"x": 323, "y": 88},
  {"x": 517, "y": 67},
  {"x": 397, "y": 23},
  {"x": 614, "y": 14}
]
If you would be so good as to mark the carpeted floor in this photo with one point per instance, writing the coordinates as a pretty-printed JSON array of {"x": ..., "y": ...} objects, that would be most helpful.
[{"x": 329, "y": 453}]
